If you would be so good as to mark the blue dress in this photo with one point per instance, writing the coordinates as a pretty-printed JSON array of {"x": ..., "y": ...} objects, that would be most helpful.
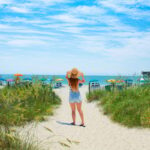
[{"x": 74, "y": 97}]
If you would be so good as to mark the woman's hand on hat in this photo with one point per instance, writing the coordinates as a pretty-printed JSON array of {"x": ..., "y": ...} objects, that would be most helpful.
[
  {"x": 81, "y": 73},
  {"x": 68, "y": 72}
]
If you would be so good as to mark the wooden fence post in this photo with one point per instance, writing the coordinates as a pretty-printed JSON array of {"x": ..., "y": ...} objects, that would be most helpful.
[{"x": 89, "y": 89}]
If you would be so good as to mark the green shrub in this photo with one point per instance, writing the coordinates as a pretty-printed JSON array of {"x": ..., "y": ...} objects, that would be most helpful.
[
  {"x": 95, "y": 95},
  {"x": 21, "y": 104},
  {"x": 145, "y": 118},
  {"x": 130, "y": 107}
]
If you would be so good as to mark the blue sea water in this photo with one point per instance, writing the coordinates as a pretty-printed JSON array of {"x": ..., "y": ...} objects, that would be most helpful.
[{"x": 101, "y": 78}]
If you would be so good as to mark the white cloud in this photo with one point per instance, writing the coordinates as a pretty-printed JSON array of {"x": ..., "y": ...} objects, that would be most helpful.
[
  {"x": 68, "y": 18},
  {"x": 4, "y": 26},
  {"x": 20, "y": 10},
  {"x": 7, "y": 29},
  {"x": 145, "y": 2},
  {"x": 127, "y": 47},
  {"x": 25, "y": 43},
  {"x": 129, "y": 7},
  {"x": 2, "y": 2},
  {"x": 24, "y": 20},
  {"x": 87, "y": 32},
  {"x": 43, "y": 3},
  {"x": 87, "y": 10},
  {"x": 136, "y": 47},
  {"x": 91, "y": 15},
  {"x": 72, "y": 29},
  {"x": 51, "y": 2}
]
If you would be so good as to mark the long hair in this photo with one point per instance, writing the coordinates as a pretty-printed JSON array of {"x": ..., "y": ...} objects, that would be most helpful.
[{"x": 73, "y": 82}]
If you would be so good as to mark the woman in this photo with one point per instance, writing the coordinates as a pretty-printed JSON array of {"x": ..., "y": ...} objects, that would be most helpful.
[{"x": 74, "y": 96}]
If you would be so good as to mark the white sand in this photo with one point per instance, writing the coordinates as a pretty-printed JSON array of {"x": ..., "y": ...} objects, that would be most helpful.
[{"x": 100, "y": 132}]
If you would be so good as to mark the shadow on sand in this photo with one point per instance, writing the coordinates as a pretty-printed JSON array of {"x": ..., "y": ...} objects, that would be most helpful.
[
  {"x": 65, "y": 123},
  {"x": 69, "y": 124}
]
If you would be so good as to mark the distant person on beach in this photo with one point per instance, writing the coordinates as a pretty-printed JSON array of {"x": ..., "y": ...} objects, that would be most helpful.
[{"x": 74, "y": 96}]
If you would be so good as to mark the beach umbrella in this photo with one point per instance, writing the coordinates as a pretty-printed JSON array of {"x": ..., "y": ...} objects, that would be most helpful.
[
  {"x": 2, "y": 79},
  {"x": 142, "y": 80},
  {"x": 18, "y": 74},
  {"x": 120, "y": 81},
  {"x": 9, "y": 80},
  {"x": 59, "y": 79},
  {"x": 111, "y": 81}
]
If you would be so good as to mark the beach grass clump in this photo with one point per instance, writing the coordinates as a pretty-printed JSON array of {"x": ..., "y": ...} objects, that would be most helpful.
[
  {"x": 130, "y": 107},
  {"x": 26, "y": 103},
  {"x": 95, "y": 95},
  {"x": 10, "y": 140}
]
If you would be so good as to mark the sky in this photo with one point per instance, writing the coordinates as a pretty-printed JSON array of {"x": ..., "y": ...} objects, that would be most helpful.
[{"x": 99, "y": 37}]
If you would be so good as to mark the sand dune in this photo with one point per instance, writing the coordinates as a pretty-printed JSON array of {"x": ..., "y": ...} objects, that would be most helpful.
[{"x": 100, "y": 132}]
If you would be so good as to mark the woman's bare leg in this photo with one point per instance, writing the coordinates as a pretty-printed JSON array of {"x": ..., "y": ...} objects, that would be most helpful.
[
  {"x": 73, "y": 109},
  {"x": 80, "y": 112}
]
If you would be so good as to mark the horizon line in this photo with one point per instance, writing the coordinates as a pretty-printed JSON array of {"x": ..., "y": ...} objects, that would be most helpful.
[{"x": 133, "y": 74}]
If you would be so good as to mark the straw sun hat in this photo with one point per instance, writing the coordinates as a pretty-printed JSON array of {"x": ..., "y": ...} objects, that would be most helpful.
[{"x": 74, "y": 73}]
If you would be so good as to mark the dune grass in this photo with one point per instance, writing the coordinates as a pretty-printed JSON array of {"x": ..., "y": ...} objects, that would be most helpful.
[
  {"x": 10, "y": 140},
  {"x": 20, "y": 104},
  {"x": 130, "y": 107}
]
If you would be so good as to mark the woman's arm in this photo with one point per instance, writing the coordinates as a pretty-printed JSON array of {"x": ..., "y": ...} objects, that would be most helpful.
[
  {"x": 83, "y": 80},
  {"x": 67, "y": 77}
]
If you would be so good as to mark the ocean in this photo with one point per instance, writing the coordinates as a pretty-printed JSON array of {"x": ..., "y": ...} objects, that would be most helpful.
[{"x": 101, "y": 78}]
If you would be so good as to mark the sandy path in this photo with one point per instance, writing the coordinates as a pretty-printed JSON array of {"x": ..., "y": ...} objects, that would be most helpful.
[{"x": 99, "y": 134}]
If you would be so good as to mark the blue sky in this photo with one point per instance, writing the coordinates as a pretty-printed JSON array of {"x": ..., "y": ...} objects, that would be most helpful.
[{"x": 101, "y": 37}]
